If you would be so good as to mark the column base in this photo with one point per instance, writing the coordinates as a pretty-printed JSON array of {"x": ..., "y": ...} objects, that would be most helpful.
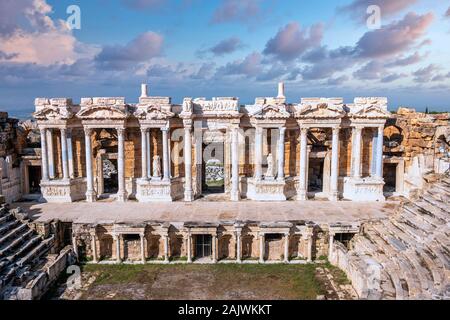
[
  {"x": 302, "y": 195},
  {"x": 157, "y": 190},
  {"x": 235, "y": 196},
  {"x": 266, "y": 190},
  {"x": 334, "y": 196},
  {"x": 122, "y": 196},
  {"x": 60, "y": 191},
  {"x": 91, "y": 196},
  {"x": 188, "y": 196}
]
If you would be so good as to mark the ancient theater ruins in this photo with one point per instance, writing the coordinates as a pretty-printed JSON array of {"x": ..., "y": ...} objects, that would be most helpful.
[{"x": 216, "y": 181}]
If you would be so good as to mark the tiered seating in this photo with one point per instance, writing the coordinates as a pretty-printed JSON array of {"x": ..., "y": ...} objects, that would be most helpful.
[
  {"x": 412, "y": 247},
  {"x": 22, "y": 251}
]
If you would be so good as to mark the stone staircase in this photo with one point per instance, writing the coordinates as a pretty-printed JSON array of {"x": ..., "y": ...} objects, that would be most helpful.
[
  {"x": 409, "y": 252},
  {"x": 23, "y": 253}
]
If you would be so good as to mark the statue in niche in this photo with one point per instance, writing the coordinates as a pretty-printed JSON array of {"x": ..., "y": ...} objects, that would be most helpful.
[
  {"x": 156, "y": 167},
  {"x": 270, "y": 173}
]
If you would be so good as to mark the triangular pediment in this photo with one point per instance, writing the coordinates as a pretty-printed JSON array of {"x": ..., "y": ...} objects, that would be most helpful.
[
  {"x": 153, "y": 112},
  {"x": 319, "y": 110},
  {"x": 53, "y": 113},
  {"x": 271, "y": 112},
  {"x": 371, "y": 112},
  {"x": 103, "y": 112}
]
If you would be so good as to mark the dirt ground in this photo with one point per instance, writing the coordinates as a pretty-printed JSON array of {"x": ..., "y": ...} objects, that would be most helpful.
[{"x": 207, "y": 282}]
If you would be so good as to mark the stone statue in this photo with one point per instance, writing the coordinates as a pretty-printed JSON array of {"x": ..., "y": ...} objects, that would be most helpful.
[
  {"x": 270, "y": 173},
  {"x": 156, "y": 167}
]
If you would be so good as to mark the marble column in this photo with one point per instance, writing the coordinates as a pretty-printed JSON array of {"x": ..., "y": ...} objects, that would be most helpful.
[
  {"x": 75, "y": 246},
  {"x": 189, "y": 249},
  {"x": 65, "y": 163},
  {"x": 330, "y": 244},
  {"x": 303, "y": 188},
  {"x": 335, "y": 165},
  {"x": 286, "y": 248},
  {"x": 50, "y": 154},
  {"x": 238, "y": 246},
  {"x": 94, "y": 248},
  {"x": 165, "y": 138},
  {"x": 122, "y": 192},
  {"x": 356, "y": 151},
  {"x": 235, "y": 196},
  {"x": 214, "y": 248},
  {"x": 379, "y": 153},
  {"x": 44, "y": 155},
  {"x": 149, "y": 153},
  {"x": 90, "y": 193},
  {"x": 117, "y": 241},
  {"x": 258, "y": 153},
  {"x": 261, "y": 247},
  {"x": 141, "y": 235},
  {"x": 188, "y": 193},
  {"x": 309, "y": 237},
  {"x": 70, "y": 154},
  {"x": 144, "y": 154},
  {"x": 166, "y": 248},
  {"x": 280, "y": 173}
]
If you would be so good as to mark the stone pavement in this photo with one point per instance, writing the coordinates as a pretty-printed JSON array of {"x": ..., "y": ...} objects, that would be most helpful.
[{"x": 134, "y": 212}]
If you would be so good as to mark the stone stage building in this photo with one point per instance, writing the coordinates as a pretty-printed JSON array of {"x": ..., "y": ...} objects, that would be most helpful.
[{"x": 159, "y": 151}]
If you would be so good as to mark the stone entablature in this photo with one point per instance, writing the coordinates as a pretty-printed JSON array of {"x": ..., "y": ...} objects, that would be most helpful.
[
  {"x": 156, "y": 118},
  {"x": 230, "y": 241}
]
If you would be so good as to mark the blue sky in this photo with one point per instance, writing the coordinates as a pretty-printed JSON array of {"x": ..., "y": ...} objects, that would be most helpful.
[{"x": 184, "y": 48}]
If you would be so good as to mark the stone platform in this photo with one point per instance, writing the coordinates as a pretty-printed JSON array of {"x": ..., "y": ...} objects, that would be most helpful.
[{"x": 321, "y": 212}]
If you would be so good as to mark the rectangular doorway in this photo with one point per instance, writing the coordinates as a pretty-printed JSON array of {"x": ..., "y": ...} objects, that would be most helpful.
[
  {"x": 203, "y": 245},
  {"x": 213, "y": 169}
]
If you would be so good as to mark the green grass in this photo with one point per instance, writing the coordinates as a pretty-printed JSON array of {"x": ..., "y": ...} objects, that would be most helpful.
[{"x": 270, "y": 281}]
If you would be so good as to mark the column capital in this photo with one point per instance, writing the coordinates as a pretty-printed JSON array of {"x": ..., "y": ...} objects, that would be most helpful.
[
  {"x": 335, "y": 130},
  {"x": 358, "y": 128},
  {"x": 144, "y": 130},
  {"x": 87, "y": 131},
  {"x": 282, "y": 129},
  {"x": 120, "y": 131},
  {"x": 165, "y": 129},
  {"x": 304, "y": 130}
]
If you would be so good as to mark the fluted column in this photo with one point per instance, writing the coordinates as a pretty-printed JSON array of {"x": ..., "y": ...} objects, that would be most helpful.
[
  {"x": 144, "y": 154},
  {"x": 149, "y": 154},
  {"x": 44, "y": 155},
  {"x": 261, "y": 247},
  {"x": 189, "y": 249},
  {"x": 286, "y": 247},
  {"x": 238, "y": 246},
  {"x": 335, "y": 165},
  {"x": 50, "y": 154},
  {"x": 214, "y": 248},
  {"x": 117, "y": 241},
  {"x": 165, "y": 137},
  {"x": 356, "y": 151},
  {"x": 166, "y": 248},
  {"x": 379, "y": 153},
  {"x": 188, "y": 194},
  {"x": 141, "y": 235},
  {"x": 122, "y": 192},
  {"x": 280, "y": 174},
  {"x": 65, "y": 163},
  {"x": 234, "y": 165},
  {"x": 90, "y": 193},
  {"x": 303, "y": 164},
  {"x": 70, "y": 153},
  {"x": 94, "y": 248},
  {"x": 258, "y": 153}
]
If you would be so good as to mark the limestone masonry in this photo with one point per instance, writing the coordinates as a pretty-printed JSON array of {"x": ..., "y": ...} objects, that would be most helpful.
[{"x": 214, "y": 181}]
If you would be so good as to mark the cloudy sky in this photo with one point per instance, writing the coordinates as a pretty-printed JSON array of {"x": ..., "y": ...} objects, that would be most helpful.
[{"x": 191, "y": 48}]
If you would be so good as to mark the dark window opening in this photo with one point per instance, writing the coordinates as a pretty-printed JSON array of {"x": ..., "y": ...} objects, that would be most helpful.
[{"x": 344, "y": 238}]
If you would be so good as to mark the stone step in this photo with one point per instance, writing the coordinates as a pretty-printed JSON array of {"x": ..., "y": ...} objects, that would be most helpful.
[
  {"x": 7, "y": 226},
  {"x": 12, "y": 234},
  {"x": 436, "y": 272},
  {"x": 426, "y": 208},
  {"x": 26, "y": 247},
  {"x": 5, "y": 218},
  {"x": 13, "y": 244},
  {"x": 418, "y": 221},
  {"x": 387, "y": 286},
  {"x": 419, "y": 213},
  {"x": 439, "y": 191},
  {"x": 444, "y": 207},
  {"x": 424, "y": 275},
  {"x": 36, "y": 252},
  {"x": 409, "y": 275}
]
